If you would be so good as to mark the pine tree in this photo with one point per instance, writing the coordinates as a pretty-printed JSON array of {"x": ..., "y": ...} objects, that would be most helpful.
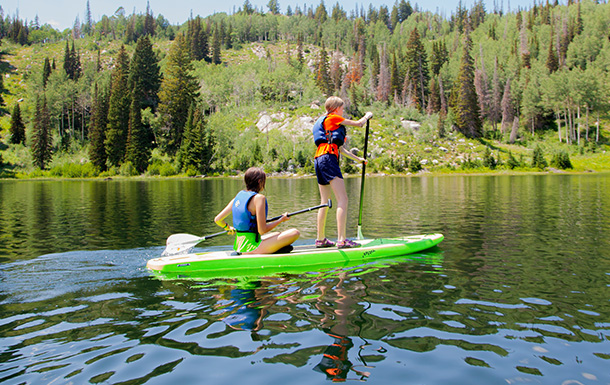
[
  {"x": 466, "y": 106},
  {"x": 216, "y": 42},
  {"x": 145, "y": 74},
  {"x": 322, "y": 73},
  {"x": 197, "y": 38},
  {"x": 118, "y": 110},
  {"x": 1, "y": 91},
  {"x": 46, "y": 72},
  {"x": 97, "y": 129},
  {"x": 179, "y": 89},
  {"x": 149, "y": 21},
  {"x": 417, "y": 67},
  {"x": 41, "y": 135},
  {"x": 138, "y": 143},
  {"x": 68, "y": 66},
  {"x": 88, "y": 25},
  {"x": 552, "y": 63},
  {"x": 395, "y": 77},
  {"x": 17, "y": 126},
  {"x": 197, "y": 147}
]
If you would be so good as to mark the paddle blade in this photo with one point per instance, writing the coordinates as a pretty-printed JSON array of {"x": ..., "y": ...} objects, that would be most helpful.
[{"x": 181, "y": 244}]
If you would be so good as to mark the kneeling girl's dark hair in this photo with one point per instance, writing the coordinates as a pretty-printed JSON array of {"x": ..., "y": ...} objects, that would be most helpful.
[{"x": 255, "y": 179}]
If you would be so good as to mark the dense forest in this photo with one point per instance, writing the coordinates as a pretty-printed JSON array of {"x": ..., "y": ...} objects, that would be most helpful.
[{"x": 131, "y": 94}]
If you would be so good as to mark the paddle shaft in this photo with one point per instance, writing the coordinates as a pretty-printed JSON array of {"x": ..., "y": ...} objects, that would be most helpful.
[
  {"x": 329, "y": 204},
  {"x": 366, "y": 142}
]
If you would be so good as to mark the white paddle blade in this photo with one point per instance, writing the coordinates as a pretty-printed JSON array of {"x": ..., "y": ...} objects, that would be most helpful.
[{"x": 181, "y": 244}]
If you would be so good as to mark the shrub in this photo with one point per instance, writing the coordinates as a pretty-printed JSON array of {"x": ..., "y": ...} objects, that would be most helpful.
[
  {"x": 538, "y": 160},
  {"x": 167, "y": 169},
  {"x": 561, "y": 160},
  {"x": 415, "y": 164},
  {"x": 128, "y": 169},
  {"x": 488, "y": 159},
  {"x": 512, "y": 162}
]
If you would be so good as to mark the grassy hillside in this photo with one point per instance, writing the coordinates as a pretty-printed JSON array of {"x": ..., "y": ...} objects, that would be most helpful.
[{"x": 260, "y": 104}]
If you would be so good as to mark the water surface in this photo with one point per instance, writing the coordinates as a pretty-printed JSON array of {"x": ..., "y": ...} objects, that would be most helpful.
[{"x": 516, "y": 293}]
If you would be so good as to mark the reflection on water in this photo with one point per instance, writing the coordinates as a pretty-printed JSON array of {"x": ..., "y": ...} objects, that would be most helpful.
[{"x": 516, "y": 293}]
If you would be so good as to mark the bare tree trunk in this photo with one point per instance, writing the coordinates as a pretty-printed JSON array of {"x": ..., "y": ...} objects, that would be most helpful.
[
  {"x": 587, "y": 125},
  {"x": 597, "y": 128},
  {"x": 578, "y": 129},
  {"x": 515, "y": 129},
  {"x": 558, "y": 118}
]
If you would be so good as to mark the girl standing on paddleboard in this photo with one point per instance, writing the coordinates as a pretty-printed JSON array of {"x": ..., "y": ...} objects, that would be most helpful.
[
  {"x": 329, "y": 135},
  {"x": 249, "y": 209}
]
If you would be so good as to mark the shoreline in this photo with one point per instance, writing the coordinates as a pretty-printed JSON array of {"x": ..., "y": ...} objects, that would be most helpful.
[{"x": 286, "y": 175}]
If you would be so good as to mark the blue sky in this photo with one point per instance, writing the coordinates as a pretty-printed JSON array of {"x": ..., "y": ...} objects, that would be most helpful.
[{"x": 62, "y": 13}]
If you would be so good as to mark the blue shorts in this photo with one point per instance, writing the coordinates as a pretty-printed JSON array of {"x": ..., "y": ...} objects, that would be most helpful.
[{"x": 327, "y": 169}]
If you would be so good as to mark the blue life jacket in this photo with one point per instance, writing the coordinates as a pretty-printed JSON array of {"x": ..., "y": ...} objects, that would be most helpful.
[
  {"x": 321, "y": 135},
  {"x": 243, "y": 220}
]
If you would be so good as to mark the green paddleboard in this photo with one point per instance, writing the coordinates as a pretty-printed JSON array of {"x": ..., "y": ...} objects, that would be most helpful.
[{"x": 301, "y": 258}]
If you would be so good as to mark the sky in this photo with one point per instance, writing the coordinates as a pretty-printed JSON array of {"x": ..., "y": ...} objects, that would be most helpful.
[{"x": 61, "y": 14}]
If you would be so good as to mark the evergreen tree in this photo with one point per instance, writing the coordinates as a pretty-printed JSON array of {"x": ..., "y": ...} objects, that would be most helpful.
[
  {"x": 138, "y": 146},
  {"x": 88, "y": 24},
  {"x": 323, "y": 80},
  {"x": 395, "y": 77},
  {"x": 17, "y": 126},
  {"x": 179, "y": 89},
  {"x": 274, "y": 7},
  {"x": 417, "y": 67},
  {"x": 197, "y": 147},
  {"x": 466, "y": 106},
  {"x": 41, "y": 135},
  {"x": 149, "y": 21},
  {"x": 552, "y": 63},
  {"x": 1, "y": 92},
  {"x": 538, "y": 160},
  {"x": 97, "y": 129},
  {"x": 118, "y": 110},
  {"x": 145, "y": 74},
  {"x": 216, "y": 42},
  {"x": 197, "y": 38},
  {"x": 46, "y": 71}
]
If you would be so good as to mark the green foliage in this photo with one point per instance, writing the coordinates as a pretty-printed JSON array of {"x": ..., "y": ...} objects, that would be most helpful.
[
  {"x": 538, "y": 160},
  {"x": 197, "y": 148},
  {"x": 97, "y": 130},
  {"x": 138, "y": 145},
  {"x": 17, "y": 126},
  {"x": 561, "y": 160},
  {"x": 41, "y": 135},
  {"x": 415, "y": 164},
  {"x": 145, "y": 74},
  {"x": 74, "y": 170},
  {"x": 512, "y": 163},
  {"x": 128, "y": 169},
  {"x": 177, "y": 94},
  {"x": 118, "y": 111},
  {"x": 488, "y": 159}
]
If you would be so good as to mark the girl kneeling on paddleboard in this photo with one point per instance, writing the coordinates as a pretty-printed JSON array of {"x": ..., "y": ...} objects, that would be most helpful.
[
  {"x": 329, "y": 135},
  {"x": 249, "y": 208}
]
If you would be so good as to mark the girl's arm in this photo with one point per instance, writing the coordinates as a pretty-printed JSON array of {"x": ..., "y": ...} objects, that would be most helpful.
[
  {"x": 352, "y": 156},
  {"x": 261, "y": 216},
  {"x": 358, "y": 123},
  {"x": 220, "y": 218}
]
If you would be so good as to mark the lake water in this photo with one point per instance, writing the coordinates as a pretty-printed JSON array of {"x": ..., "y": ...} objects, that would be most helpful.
[{"x": 518, "y": 292}]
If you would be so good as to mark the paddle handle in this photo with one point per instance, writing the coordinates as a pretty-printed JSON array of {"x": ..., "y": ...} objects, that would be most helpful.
[{"x": 329, "y": 205}]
